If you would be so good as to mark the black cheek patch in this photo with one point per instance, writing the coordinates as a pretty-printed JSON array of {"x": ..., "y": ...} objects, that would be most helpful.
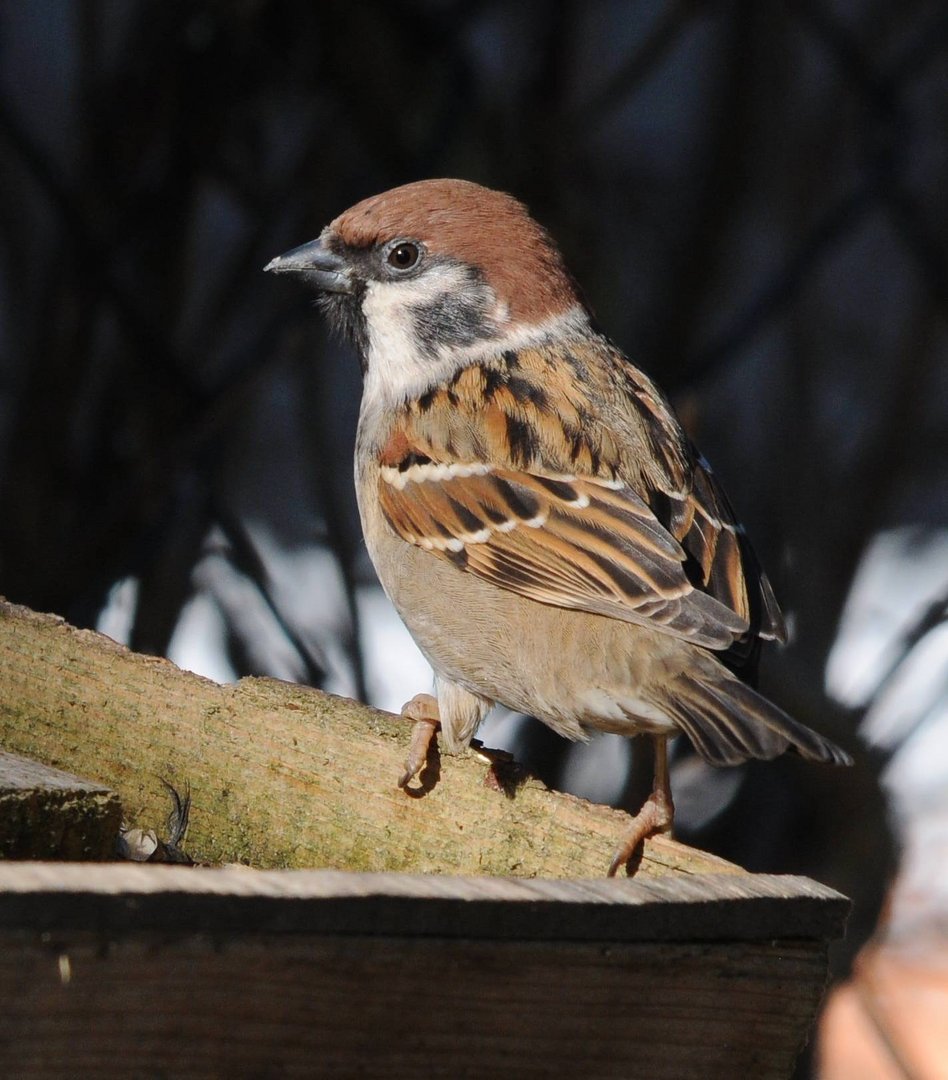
[{"x": 455, "y": 318}]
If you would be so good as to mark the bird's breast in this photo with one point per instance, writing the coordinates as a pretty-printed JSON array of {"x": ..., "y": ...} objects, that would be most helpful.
[{"x": 572, "y": 669}]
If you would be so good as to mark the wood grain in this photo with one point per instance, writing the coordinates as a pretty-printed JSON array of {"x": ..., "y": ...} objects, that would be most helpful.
[
  {"x": 282, "y": 775},
  {"x": 377, "y": 1006},
  {"x": 49, "y": 897},
  {"x": 46, "y": 813},
  {"x": 234, "y": 972}
]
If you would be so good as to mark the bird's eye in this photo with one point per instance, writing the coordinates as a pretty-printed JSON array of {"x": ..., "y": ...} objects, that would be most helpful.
[{"x": 403, "y": 255}]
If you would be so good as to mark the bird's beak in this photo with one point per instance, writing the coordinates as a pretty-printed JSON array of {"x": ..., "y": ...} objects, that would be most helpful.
[{"x": 319, "y": 266}]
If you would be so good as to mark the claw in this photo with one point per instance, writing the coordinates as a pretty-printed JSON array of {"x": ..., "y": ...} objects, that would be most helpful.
[
  {"x": 423, "y": 709},
  {"x": 656, "y": 816}
]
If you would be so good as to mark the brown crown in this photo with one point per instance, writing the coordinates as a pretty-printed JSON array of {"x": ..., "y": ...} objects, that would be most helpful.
[{"x": 487, "y": 229}]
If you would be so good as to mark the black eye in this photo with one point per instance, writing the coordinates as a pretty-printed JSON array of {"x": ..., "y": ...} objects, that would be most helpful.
[{"x": 403, "y": 256}]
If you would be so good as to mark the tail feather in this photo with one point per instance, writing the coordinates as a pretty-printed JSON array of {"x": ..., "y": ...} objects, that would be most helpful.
[{"x": 729, "y": 722}]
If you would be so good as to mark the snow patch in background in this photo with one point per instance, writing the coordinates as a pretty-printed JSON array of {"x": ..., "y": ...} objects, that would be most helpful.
[
  {"x": 901, "y": 573},
  {"x": 116, "y": 617},
  {"x": 891, "y": 655},
  {"x": 198, "y": 641},
  {"x": 395, "y": 669}
]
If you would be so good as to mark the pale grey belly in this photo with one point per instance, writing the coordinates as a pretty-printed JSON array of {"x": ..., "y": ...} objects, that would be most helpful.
[{"x": 571, "y": 669}]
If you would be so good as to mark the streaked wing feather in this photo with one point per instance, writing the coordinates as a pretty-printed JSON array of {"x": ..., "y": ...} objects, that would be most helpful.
[
  {"x": 599, "y": 504},
  {"x": 729, "y": 722},
  {"x": 728, "y": 567},
  {"x": 562, "y": 541},
  {"x": 690, "y": 503}
]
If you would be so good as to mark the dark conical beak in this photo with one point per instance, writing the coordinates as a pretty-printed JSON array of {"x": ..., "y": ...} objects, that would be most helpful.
[{"x": 319, "y": 266}]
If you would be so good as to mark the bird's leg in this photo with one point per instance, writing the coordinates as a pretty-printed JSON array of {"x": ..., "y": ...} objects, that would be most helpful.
[
  {"x": 656, "y": 815},
  {"x": 423, "y": 709}
]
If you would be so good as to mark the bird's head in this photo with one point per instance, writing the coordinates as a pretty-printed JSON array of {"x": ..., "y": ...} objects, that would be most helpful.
[{"x": 424, "y": 277}]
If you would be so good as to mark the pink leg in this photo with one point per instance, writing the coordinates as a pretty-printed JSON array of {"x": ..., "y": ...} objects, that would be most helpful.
[
  {"x": 423, "y": 709},
  {"x": 656, "y": 815}
]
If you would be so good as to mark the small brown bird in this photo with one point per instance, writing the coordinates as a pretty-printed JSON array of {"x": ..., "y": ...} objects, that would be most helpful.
[{"x": 532, "y": 506}]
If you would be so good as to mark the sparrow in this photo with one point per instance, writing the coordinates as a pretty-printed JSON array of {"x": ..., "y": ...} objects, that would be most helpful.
[{"x": 534, "y": 510}]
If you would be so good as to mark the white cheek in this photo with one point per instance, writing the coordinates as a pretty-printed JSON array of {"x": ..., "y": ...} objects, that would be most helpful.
[
  {"x": 397, "y": 366},
  {"x": 392, "y": 352}
]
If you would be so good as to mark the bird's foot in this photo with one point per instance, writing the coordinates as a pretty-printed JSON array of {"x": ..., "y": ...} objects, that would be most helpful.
[
  {"x": 423, "y": 709},
  {"x": 656, "y": 816}
]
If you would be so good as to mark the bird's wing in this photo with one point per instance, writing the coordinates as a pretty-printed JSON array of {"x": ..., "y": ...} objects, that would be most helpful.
[
  {"x": 688, "y": 500},
  {"x": 550, "y": 503}
]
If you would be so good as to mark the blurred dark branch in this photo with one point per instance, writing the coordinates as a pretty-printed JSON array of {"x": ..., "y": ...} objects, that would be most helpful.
[
  {"x": 152, "y": 348},
  {"x": 885, "y": 464},
  {"x": 780, "y": 289},
  {"x": 876, "y": 91},
  {"x": 921, "y": 237},
  {"x": 887, "y": 140},
  {"x": 539, "y": 132},
  {"x": 322, "y": 461},
  {"x": 926, "y": 47},
  {"x": 723, "y": 177},
  {"x": 640, "y": 65},
  {"x": 167, "y": 549},
  {"x": 148, "y": 499}
]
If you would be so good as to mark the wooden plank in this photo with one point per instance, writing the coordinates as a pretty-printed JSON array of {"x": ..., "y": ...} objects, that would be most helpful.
[
  {"x": 46, "y": 813},
  {"x": 215, "y": 1005},
  {"x": 165, "y": 970},
  {"x": 715, "y": 907},
  {"x": 281, "y": 775}
]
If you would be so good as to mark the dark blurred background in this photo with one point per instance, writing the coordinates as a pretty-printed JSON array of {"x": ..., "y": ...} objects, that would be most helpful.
[{"x": 754, "y": 198}]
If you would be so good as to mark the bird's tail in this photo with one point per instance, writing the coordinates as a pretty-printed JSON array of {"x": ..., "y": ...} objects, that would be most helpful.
[{"x": 729, "y": 722}]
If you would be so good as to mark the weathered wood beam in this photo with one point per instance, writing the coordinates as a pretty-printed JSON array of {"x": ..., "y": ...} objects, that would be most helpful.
[
  {"x": 220, "y": 972},
  {"x": 50, "y": 814},
  {"x": 282, "y": 775}
]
